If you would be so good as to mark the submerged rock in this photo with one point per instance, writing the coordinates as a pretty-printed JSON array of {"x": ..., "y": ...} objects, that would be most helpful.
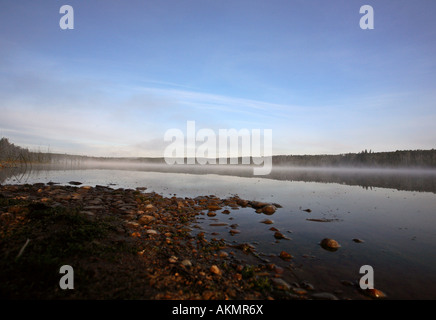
[
  {"x": 358, "y": 240},
  {"x": 330, "y": 244},
  {"x": 75, "y": 183},
  {"x": 267, "y": 221},
  {"x": 258, "y": 204},
  {"x": 269, "y": 209},
  {"x": 285, "y": 256},
  {"x": 279, "y": 235},
  {"x": 324, "y": 296},
  {"x": 280, "y": 284},
  {"x": 374, "y": 293},
  {"x": 234, "y": 231}
]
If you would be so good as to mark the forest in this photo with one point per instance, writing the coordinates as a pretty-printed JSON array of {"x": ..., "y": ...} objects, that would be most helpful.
[{"x": 12, "y": 155}]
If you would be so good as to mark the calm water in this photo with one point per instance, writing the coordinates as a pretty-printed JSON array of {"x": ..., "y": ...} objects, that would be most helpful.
[{"x": 393, "y": 211}]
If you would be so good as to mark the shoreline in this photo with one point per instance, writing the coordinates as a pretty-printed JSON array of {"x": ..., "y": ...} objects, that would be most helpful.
[{"x": 132, "y": 244}]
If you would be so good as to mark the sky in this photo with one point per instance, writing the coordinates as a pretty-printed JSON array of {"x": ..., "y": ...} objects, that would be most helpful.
[{"x": 131, "y": 70}]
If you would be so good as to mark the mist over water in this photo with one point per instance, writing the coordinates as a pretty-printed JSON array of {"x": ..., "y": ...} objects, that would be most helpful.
[{"x": 415, "y": 179}]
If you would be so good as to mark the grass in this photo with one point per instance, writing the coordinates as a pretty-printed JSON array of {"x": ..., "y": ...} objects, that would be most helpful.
[{"x": 58, "y": 236}]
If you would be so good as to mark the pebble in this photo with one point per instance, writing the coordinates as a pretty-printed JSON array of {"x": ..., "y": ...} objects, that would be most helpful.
[
  {"x": 308, "y": 286},
  {"x": 172, "y": 259},
  {"x": 267, "y": 221},
  {"x": 145, "y": 219},
  {"x": 223, "y": 254},
  {"x": 280, "y": 284},
  {"x": 258, "y": 205},
  {"x": 234, "y": 231},
  {"x": 215, "y": 270},
  {"x": 279, "y": 235},
  {"x": 186, "y": 263},
  {"x": 213, "y": 207},
  {"x": 285, "y": 256},
  {"x": 324, "y": 296},
  {"x": 269, "y": 209},
  {"x": 358, "y": 240},
  {"x": 151, "y": 231},
  {"x": 330, "y": 244},
  {"x": 75, "y": 183},
  {"x": 374, "y": 293}
]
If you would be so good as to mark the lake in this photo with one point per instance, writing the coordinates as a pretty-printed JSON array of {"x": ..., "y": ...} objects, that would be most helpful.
[{"x": 392, "y": 211}]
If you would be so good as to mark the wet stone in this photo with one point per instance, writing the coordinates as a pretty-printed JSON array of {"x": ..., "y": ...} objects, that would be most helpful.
[
  {"x": 267, "y": 221},
  {"x": 358, "y": 240},
  {"x": 374, "y": 293},
  {"x": 146, "y": 219},
  {"x": 280, "y": 284},
  {"x": 324, "y": 296},
  {"x": 269, "y": 209},
  {"x": 186, "y": 263},
  {"x": 330, "y": 244},
  {"x": 215, "y": 270},
  {"x": 285, "y": 256}
]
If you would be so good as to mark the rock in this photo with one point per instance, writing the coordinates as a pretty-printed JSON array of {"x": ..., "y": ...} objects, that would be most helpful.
[
  {"x": 96, "y": 208},
  {"x": 186, "y": 263},
  {"x": 374, "y": 293},
  {"x": 269, "y": 209},
  {"x": 234, "y": 231},
  {"x": 215, "y": 270},
  {"x": 285, "y": 256},
  {"x": 330, "y": 244},
  {"x": 88, "y": 213},
  {"x": 211, "y": 213},
  {"x": 242, "y": 203},
  {"x": 172, "y": 259},
  {"x": 213, "y": 207},
  {"x": 348, "y": 283},
  {"x": 306, "y": 285},
  {"x": 150, "y": 208},
  {"x": 75, "y": 183},
  {"x": 151, "y": 231},
  {"x": 280, "y": 284},
  {"x": 299, "y": 291},
  {"x": 223, "y": 254},
  {"x": 279, "y": 235},
  {"x": 225, "y": 211},
  {"x": 358, "y": 240},
  {"x": 146, "y": 219},
  {"x": 6, "y": 217},
  {"x": 220, "y": 224},
  {"x": 267, "y": 221},
  {"x": 324, "y": 296},
  {"x": 307, "y": 210},
  {"x": 278, "y": 270},
  {"x": 258, "y": 205}
]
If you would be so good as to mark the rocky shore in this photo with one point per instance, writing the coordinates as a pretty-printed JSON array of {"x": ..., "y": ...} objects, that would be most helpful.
[{"x": 129, "y": 244}]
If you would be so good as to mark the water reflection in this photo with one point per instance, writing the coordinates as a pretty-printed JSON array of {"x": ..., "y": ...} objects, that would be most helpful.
[{"x": 401, "y": 179}]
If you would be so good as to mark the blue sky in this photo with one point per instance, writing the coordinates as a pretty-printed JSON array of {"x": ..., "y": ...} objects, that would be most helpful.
[{"x": 130, "y": 70}]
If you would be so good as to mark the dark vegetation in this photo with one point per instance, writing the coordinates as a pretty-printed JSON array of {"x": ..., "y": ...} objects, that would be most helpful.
[{"x": 12, "y": 156}]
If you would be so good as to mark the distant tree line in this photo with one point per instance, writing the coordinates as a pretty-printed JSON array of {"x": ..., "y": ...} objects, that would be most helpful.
[
  {"x": 407, "y": 158},
  {"x": 12, "y": 155}
]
